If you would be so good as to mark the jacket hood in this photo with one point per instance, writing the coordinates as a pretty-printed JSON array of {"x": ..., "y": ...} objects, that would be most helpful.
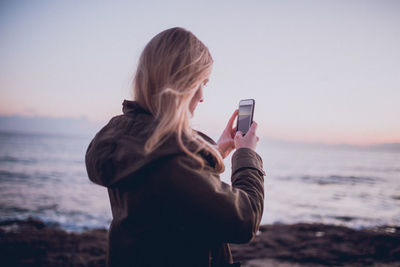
[{"x": 116, "y": 153}]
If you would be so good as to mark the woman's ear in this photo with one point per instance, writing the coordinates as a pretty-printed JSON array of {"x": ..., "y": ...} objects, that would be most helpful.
[{"x": 200, "y": 91}]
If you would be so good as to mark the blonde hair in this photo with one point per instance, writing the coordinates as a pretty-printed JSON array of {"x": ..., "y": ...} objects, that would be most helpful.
[{"x": 170, "y": 70}]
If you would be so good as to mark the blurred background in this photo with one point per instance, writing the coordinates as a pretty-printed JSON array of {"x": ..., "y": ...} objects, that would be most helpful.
[{"x": 325, "y": 76}]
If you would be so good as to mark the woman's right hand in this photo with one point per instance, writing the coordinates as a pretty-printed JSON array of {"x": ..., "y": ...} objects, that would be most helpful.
[{"x": 249, "y": 140}]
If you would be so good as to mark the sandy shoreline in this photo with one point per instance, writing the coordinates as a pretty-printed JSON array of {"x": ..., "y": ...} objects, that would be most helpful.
[{"x": 32, "y": 243}]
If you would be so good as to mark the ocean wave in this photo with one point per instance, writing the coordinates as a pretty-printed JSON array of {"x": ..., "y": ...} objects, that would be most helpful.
[
  {"x": 34, "y": 177},
  {"x": 10, "y": 176},
  {"x": 335, "y": 179},
  {"x": 70, "y": 220},
  {"x": 11, "y": 159}
]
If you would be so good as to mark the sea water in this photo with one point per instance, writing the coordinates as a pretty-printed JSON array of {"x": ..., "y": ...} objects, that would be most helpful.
[{"x": 44, "y": 176}]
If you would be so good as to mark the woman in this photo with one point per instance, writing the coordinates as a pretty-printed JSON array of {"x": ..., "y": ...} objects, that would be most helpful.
[{"x": 168, "y": 204}]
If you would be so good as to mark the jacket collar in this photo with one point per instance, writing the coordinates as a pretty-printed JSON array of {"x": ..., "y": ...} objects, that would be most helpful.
[{"x": 132, "y": 107}]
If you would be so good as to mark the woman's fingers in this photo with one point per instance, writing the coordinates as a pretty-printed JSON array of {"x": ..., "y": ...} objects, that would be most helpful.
[
  {"x": 233, "y": 132},
  {"x": 232, "y": 119}
]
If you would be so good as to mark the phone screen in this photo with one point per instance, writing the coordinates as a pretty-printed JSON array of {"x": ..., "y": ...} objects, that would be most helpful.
[{"x": 244, "y": 118}]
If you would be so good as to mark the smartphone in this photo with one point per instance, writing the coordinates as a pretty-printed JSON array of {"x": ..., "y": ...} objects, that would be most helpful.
[{"x": 245, "y": 115}]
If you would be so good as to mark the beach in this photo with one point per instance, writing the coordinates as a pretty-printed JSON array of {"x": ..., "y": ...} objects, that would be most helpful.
[{"x": 33, "y": 243}]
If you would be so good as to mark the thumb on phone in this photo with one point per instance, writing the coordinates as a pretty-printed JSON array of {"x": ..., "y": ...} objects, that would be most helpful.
[
  {"x": 253, "y": 127},
  {"x": 249, "y": 140}
]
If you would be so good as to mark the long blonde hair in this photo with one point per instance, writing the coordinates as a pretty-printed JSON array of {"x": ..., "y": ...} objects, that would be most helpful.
[{"x": 170, "y": 70}]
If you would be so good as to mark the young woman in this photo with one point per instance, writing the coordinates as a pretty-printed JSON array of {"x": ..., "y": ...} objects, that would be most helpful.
[{"x": 168, "y": 204}]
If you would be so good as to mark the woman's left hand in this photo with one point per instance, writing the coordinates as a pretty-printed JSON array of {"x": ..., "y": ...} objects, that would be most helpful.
[{"x": 226, "y": 142}]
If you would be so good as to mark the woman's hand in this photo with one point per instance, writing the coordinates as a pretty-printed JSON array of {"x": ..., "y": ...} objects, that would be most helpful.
[
  {"x": 226, "y": 142},
  {"x": 249, "y": 140}
]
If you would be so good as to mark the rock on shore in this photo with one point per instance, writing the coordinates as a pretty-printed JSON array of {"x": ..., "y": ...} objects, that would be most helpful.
[
  {"x": 320, "y": 244},
  {"x": 32, "y": 243}
]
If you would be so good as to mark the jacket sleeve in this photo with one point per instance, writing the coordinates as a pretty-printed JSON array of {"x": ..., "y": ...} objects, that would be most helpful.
[{"x": 216, "y": 210}]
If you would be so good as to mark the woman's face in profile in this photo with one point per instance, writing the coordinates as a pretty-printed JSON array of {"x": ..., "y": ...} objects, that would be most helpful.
[{"x": 198, "y": 97}]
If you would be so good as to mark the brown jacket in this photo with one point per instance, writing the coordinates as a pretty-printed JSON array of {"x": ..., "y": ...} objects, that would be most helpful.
[{"x": 164, "y": 212}]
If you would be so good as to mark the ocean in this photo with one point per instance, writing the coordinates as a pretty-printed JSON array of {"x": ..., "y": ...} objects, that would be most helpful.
[{"x": 43, "y": 176}]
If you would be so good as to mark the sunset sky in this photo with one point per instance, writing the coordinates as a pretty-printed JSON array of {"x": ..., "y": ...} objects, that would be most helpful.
[{"x": 319, "y": 71}]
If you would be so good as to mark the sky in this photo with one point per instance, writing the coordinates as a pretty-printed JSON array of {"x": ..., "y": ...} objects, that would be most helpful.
[{"x": 319, "y": 71}]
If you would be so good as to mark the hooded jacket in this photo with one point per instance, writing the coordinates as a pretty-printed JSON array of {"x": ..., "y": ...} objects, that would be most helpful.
[{"x": 165, "y": 213}]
